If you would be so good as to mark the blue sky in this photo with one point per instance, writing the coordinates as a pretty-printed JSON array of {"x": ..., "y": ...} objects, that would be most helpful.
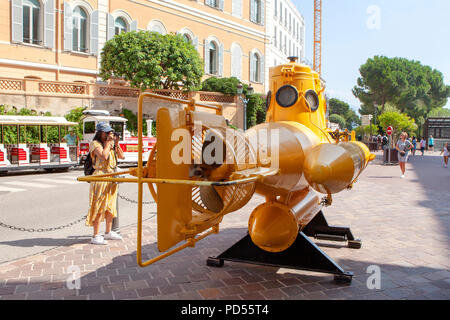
[{"x": 352, "y": 32}]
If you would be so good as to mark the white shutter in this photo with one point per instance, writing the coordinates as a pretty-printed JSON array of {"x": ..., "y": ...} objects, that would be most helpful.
[
  {"x": 49, "y": 24},
  {"x": 239, "y": 8},
  {"x": 67, "y": 27},
  {"x": 251, "y": 66},
  {"x": 110, "y": 29},
  {"x": 134, "y": 25},
  {"x": 263, "y": 12},
  {"x": 195, "y": 42},
  {"x": 16, "y": 22},
  {"x": 263, "y": 71},
  {"x": 221, "y": 5},
  {"x": 93, "y": 48},
  {"x": 252, "y": 11},
  {"x": 206, "y": 56},
  {"x": 220, "y": 60},
  {"x": 233, "y": 62},
  {"x": 236, "y": 62}
]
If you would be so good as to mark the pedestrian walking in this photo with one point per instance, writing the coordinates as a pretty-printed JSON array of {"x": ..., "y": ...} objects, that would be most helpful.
[
  {"x": 104, "y": 151},
  {"x": 446, "y": 152},
  {"x": 403, "y": 147},
  {"x": 414, "y": 143},
  {"x": 422, "y": 145},
  {"x": 431, "y": 143}
]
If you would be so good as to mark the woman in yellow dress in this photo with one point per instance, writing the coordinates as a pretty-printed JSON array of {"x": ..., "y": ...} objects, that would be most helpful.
[{"x": 105, "y": 151}]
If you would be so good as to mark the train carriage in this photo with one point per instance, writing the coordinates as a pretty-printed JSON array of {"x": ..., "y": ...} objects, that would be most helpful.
[
  {"x": 127, "y": 142},
  {"x": 35, "y": 142}
]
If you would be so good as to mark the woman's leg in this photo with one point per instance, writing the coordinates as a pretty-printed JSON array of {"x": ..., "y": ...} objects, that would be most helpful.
[
  {"x": 108, "y": 219},
  {"x": 96, "y": 224},
  {"x": 446, "y": 160},
  {"x": 403, "y": 167}
]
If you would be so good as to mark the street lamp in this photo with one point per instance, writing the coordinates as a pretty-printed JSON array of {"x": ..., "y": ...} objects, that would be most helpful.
[{"x": 240, "y": 91}]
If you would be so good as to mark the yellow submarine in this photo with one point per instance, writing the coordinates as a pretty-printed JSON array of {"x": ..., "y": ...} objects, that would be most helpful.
[{"x": 200, "y": 170}]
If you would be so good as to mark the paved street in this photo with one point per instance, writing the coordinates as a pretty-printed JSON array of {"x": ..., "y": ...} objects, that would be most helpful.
[
  {"x": 36, "y": 199},
  {"x": 404, "y": 225}
]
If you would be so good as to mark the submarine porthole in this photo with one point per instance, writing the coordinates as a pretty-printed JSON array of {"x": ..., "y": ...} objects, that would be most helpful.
[
  {"x": 287, "y": 96},
  {"x": 313, "y": 99}
]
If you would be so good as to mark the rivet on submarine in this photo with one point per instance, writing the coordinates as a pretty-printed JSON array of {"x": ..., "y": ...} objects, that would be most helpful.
[{"x": 292, "y": 160}]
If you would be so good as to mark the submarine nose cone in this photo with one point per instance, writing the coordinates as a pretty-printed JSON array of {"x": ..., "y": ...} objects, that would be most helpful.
[
  {"x": 320, "y": 173},
  {"x": 272, "y": 227}
]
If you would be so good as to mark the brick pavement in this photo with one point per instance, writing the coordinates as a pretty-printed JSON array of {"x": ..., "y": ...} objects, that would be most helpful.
[{"x": 404, "y": 225}]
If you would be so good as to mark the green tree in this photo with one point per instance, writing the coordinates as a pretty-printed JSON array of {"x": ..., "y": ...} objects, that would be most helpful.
[
  {"x": 226, "y": 86},
  {"x": 439, "y": 112},
  {"x": 340, "y": 120},
  {"x": 399, "y": 122},
  {"x": 76, "y": 115},
  {"x": 149, "y": 60},
  {"x": 413, "y": 88},
  {"x": 132, "y": 122},
  {"x": 256, "y": 111},
  {"x": 341, "y": 108}
]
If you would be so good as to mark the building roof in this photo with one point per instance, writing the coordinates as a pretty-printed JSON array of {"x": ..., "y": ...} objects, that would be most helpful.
[{"x": 35, "y": 120}]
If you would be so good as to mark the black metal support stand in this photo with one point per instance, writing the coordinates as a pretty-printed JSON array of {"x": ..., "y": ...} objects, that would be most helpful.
[
  {"x": 319, "y": 229},
  {"x": 303, "y": 254}
]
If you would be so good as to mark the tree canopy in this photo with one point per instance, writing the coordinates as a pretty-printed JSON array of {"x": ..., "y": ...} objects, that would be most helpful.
[
  {"x": 149, "y": 60},
  {"x": 412, "y": 87},
  {"x": 340, "y": 120},
  {"x": 343, "y": 110},
  {"x": 399, "y": 122}
]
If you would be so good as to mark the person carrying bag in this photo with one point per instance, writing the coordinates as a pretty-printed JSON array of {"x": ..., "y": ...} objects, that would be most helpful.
[{"x": 104, "y": 151}]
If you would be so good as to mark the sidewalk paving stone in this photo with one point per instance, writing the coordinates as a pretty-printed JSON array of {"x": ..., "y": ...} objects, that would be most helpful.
[{"x": 404, "y": 225}]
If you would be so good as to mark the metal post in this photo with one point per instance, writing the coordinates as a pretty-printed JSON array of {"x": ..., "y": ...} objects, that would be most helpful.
[
  {"x": 115, "y": 222},
  {"x": 245, "y": 113},
  {"x": 389, "y": 149}
]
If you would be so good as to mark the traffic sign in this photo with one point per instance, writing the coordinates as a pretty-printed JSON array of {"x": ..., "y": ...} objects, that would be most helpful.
[{"x": 389, "y": 131}]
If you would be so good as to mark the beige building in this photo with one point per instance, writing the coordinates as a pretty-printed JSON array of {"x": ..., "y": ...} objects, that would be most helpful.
[{"x": 61, "y": 40}]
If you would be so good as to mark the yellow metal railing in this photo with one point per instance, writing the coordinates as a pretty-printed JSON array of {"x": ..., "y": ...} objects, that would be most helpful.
[{"x": 140, "y": 180}]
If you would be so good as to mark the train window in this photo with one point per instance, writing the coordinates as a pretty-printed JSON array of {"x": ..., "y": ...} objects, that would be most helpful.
[
  {"x": 287, "y": 96},
  {"x": 268, "y": 98},
  {"x": 89, "y": 127},
  {"x": 117, "y": 127},
  {"x": 313, "y": 99}
]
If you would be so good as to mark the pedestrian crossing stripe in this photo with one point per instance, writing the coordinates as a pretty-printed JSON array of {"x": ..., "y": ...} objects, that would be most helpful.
[
  {"x": 8, "y": 189},
  {"x": 59, "y": 180},
  {"x": 27, "y": 184}
]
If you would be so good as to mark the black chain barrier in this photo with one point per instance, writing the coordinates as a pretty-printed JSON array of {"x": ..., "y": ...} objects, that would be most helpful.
[
  {"x": 134, "y": 201},
  {"x": 4, "y": 225},
  {"x": 42, "y": 229}
]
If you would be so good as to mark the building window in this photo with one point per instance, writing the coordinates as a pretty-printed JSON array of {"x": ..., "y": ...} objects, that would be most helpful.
[
  {"x": 256, "y": 11},
  {"x": 79, "y": 30},
  {"x": 285, "y": 17},
  {"x": 218, "y": 4},
  {"x": 281, "y": 11},
  {"x": 32, "y": 22},
  {"x": 255, "y": 68},
  {"x": 157, "y": 26},
  {"x": 120, "y": 26},
  {"x": 276, "y": 8},
  {"x": 213, "y": 52},
  {"x": 280, "y": 44},
  {"x": 187, "y": 38},
  {"x": 275, "y": 37}
]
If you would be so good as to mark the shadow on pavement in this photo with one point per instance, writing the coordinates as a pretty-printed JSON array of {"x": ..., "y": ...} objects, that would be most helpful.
[
  {"x": 435, "y": 181},
  {"x": 46, "y": 242}
]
